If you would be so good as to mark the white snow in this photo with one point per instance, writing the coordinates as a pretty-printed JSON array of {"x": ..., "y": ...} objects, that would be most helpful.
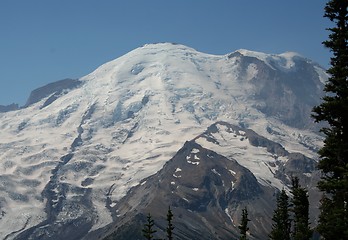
[
  {"x": 194, "y": 151},
  {"x": 146, "y": 103},
  {"x": 232, "y": 172},
  {"x": 193, "y": 163},
  {"x": 256, "y": 159},
  {"x": 323, "y": 76},
  {"x": 216, "y": 172},
  {"x": 229, "y": 215},
  {"x": 285, "y": 61},
  {"x": 143, "y": 183}
]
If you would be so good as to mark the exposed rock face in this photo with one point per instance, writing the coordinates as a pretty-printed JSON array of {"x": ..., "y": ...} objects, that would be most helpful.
[
  {"x": 69, "y": 158},
  {"x": 207, "y": 191},
  {"x": 7, "y": 108},
  {"x": 287, "y": 95},
  {"x": 54, "y": 90}
]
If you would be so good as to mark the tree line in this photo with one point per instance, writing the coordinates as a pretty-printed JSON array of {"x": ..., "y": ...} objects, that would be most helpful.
[
  {"x": 333, "y": 162},
  {"x": 290, "y": 218}
]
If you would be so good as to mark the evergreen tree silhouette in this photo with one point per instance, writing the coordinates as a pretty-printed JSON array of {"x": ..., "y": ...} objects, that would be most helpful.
[
  {"x": 281, "y": 218},
  {"x": 333, "y": 219},
  {"x": 170, "y": 226},
  {"x": 300, "y": 209},
  {"x": 243, "y": 227},
  {"x": 148, "y": 230}
]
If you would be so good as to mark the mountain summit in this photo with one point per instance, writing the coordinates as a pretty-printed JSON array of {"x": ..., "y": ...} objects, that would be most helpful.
[{"x": 70, "y": 157}]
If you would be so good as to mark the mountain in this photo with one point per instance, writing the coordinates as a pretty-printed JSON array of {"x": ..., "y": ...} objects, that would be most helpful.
[
  {"x": 51, "y": 91},
  {"x": 207, "y": 191},
  {"x": 82, "y": 157},
  {"x": 7, "y": 108}
]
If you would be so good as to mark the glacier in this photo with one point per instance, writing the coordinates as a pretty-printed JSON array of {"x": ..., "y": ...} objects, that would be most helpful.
[{"x": 83, "y": 150}]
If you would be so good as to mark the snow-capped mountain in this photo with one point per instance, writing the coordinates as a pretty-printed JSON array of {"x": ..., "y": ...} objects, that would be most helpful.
[
  {"x": 78, "y": 146},
  {"x": 208, "y": 190}
]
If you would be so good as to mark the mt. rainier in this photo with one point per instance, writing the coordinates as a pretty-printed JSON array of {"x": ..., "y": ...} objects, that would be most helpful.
[{"x": 69, "y": 157}]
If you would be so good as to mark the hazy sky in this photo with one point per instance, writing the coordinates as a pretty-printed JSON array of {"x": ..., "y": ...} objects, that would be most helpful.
[{"x": 42, "y": 41}]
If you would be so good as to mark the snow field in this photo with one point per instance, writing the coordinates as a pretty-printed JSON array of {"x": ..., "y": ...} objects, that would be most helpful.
[{"x": 146, "y": 104}]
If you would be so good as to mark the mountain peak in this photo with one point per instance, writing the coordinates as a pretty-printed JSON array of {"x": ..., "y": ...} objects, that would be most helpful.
[{"x": 91, "y": 140}]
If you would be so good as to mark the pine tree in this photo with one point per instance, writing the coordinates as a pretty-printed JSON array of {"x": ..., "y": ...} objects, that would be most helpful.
[
  {"x": 170, "y": 226},
  {"x": 281, "y": 218},
  {"x": 333, "y": 219},
  {"x": 300, "y": 208},
  {"x": 243, "y": 227},
  {"x": 148, "y": 230}
]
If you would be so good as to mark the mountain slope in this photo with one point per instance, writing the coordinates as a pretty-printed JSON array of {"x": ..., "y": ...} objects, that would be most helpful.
[
  {"x": 64, "y": 157},
  {"x": 207, "y": 191}
]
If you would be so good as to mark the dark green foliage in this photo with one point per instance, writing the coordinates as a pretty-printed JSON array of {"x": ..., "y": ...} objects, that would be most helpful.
[
  {"x": 331, "y": 227},
  {"x": 333, "y": 220},
  {"x": 281, "y": 219},
  {"x": 148, "y": 230},
  {"x": 300, "y": 209},
  {"x": 170, "y": 226},
  {"x": 243, "y": 227}
]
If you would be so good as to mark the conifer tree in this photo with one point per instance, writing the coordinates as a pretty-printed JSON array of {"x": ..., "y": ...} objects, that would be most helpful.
[
  {"x": 333, "y": 219},
  {"x": 243, "y": 227},
  {"x": 282, "y": 223},
  {"x": 170, "y": 226},
  {"x": 148, "y": 230},
  {"x": 300, "y": 209}
]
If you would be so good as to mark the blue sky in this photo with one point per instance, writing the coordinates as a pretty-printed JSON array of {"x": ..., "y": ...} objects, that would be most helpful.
[{"x": 42, "y": 41}]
